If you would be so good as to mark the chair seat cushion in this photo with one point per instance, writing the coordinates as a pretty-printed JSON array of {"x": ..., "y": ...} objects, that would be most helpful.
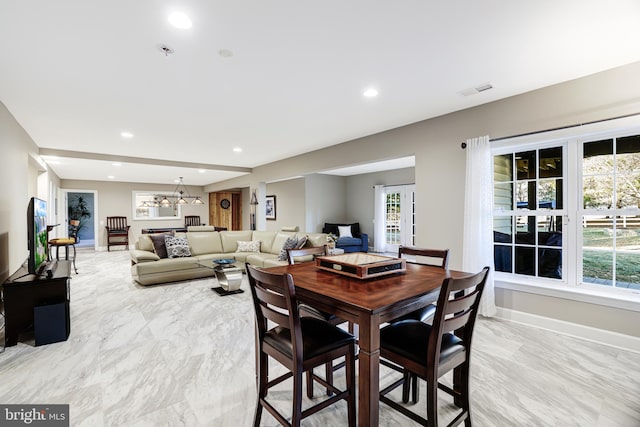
[
  {"x": 309, "y": 311},
  {"x": 318, "y": 337},
  {"x": 409, "y": 338},
  {"x": 422, "y": 314},
  {"x": 349, "y": 241}
]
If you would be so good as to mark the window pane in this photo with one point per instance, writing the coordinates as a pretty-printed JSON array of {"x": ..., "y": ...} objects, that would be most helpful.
[
  {"x": 503, "y": 196},
  {"x": 550, "y": 230},
  {"x": 551, "y": 163},
  {"x": 628, "y": 251},
  {"x": 525, "y": 260},
  {"x": 598, "y": 192},
  {"x": 550, "y": 263},
  {"x": 597, "y": 157},
  {"x": 526, "y": 165},
  {"x": 628, "y": 191},
  {"x": 525, "y": 230},
  {"x": 503, "y": 168},
  {"x": 597, "y": 250},
  {"x": 628, "y": 154},
  {"x": 526, "y": 195},
  {"x": 550, "y": 194},
  {"x": 502, "y": 229},
  {"x": 502, "y": 258}
]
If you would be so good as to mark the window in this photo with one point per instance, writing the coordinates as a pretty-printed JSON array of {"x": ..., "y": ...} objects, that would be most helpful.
[
  {"x": 610, "y": 215},
  {"x": 529, "y": 207},
  {"x": 575, "y": 199}
]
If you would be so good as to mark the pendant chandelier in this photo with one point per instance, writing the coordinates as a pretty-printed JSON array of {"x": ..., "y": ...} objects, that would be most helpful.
[{"x": 180, "y": 196}]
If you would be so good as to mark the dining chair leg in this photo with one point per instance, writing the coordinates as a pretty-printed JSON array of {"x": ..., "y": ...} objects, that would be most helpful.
[
  {"x": 262, "y": 376},
  {"x": 432, "y": 403},
  {"x": 350, "y": 375},
  {"x": 415, "y": 392},
  {"x": 406, "y": 386},
  {"x": 296, "y": 417},
  {"x": 328, "y": 368},
  {"x": 310, "y": 383}
]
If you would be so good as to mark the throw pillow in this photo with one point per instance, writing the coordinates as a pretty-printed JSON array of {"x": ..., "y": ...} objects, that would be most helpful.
[
  {"x": 290, "y": 243},
  {"x": 177, "y": 247},
  {"x": 253, "y": 246},
  {"x": 344, "y": 231},
  {"x": 301, "y": 242},
  {"x": 159, "y": 245}
]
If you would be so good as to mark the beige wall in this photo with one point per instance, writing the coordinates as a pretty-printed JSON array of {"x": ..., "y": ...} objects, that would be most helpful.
[
  {"x": 289, "y": 204},
  {"x": 115, "y": 199}
]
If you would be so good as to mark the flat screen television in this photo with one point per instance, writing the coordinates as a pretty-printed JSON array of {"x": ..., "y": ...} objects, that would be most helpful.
[{"x": 37, "y": 235}]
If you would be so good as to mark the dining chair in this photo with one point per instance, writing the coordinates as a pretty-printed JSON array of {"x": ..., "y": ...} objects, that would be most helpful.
[
  {"x": 436, "y": 258},
  {"x": 308, "y": 254},
  {"x": 117, "y": 231},
  {"x": 299, "y": 344},
  {"x": 430, "y": 351},
  {"x": 191, "y": 220}
]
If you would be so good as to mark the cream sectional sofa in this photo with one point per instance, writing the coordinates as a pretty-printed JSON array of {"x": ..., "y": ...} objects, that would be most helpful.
[{"x": 205, "y": 245}]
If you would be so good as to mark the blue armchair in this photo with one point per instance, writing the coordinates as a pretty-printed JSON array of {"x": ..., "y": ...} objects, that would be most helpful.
[{"x": 359, "y": 242}]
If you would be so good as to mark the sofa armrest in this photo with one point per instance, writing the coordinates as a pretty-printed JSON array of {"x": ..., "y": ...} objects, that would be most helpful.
[
  {"x": 365, "y": 242},
  {"x": 138, "y": 256}
]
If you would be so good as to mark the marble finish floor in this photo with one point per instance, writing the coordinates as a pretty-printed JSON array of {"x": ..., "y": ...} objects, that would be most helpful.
[{"x": 180, "y": 355}]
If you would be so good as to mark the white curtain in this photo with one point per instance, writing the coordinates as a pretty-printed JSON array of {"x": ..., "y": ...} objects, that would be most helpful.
[
  {"x": 379, "y": 202},
  {"x": 477, "y": 249}
]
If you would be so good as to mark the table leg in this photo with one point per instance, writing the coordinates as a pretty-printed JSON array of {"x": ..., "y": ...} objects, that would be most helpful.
[{"x": 369, "y": 371}]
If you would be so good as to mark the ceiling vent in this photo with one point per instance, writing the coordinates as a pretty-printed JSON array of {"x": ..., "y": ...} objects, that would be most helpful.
[{"x": 477, "y": 89}]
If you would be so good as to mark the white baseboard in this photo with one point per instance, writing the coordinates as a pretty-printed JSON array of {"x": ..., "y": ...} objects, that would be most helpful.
[{"x": 614, "y": 339}]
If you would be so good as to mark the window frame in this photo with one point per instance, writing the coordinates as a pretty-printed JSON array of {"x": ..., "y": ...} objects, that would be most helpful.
[{"x": 571, "y": 285}]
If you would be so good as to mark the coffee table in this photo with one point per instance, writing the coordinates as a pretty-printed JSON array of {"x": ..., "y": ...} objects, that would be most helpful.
[{"x": 229, "y": 276}]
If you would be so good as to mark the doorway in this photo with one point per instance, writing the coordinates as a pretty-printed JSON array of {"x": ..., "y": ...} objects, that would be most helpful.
[
  {"x": 80, "y": 216},
  {"x": 399, "y": 211}
]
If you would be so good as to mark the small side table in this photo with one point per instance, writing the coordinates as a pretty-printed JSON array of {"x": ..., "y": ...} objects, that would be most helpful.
[{"x": 229, "y": 277}]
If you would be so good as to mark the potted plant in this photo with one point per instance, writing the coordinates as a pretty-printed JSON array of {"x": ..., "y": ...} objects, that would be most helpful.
[
  {"x": 78, "y": 214},
  {"x": 331, "y": 240}
]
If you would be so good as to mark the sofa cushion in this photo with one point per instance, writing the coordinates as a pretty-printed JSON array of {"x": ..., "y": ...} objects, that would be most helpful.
[
  {"x": 145, "y": 243},
  {"x": 266, "y": 238},
  {"x": 159, "y": 246},
  {"x": 278, "y": 242},
  {"x": 204, "y": 243},
  {"x": 252, "y": 246},
  {"x": 291, "y": 243},
  {"x": 230, "y": 239},
  {"x": 177, "y": 247},
  {"x": 344, "y": 231},
  {"x": 349, "y": 241}
]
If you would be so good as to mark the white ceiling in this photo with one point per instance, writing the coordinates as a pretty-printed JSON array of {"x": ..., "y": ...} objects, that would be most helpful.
[{"x": 75, "y": 74}]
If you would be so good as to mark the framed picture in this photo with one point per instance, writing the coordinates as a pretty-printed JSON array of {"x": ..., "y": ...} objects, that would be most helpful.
[{"x": 270, "y": 207}]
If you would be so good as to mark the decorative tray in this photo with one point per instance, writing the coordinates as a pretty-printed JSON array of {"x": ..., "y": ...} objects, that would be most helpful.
[{"x": 361, "y": 265}]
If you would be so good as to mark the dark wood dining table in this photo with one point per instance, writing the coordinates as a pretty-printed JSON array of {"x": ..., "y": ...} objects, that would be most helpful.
[{"x": 368, "y": 303}]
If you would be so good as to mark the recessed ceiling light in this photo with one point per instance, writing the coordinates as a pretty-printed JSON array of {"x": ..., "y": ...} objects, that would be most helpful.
[
  {"x": 180, "y": 20},
  {"x": 201, "y": 170},
  {"x": 370, "y": 93},
  {"x": 116, "y": 164},
  {"x": 237, "y": 150},
  {"x": 127, "y": 135},
  {"x": 111, "y": 177}
]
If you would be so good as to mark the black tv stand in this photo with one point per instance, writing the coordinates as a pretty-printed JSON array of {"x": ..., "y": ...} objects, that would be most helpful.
[{"x": 25, "y": 293}]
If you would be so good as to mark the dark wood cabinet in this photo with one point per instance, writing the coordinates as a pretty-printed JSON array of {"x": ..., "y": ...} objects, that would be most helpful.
[{"x": 24, "y": 293}]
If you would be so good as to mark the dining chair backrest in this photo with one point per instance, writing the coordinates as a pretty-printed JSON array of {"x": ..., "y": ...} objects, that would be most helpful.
[
  {"x": 305, "y": 254},
  {"x": 456, "y": 312},
  {"x": 439, "y": 255},
  {"x": 274, "y": 299},
  {"x": 191, "y": 220}
]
